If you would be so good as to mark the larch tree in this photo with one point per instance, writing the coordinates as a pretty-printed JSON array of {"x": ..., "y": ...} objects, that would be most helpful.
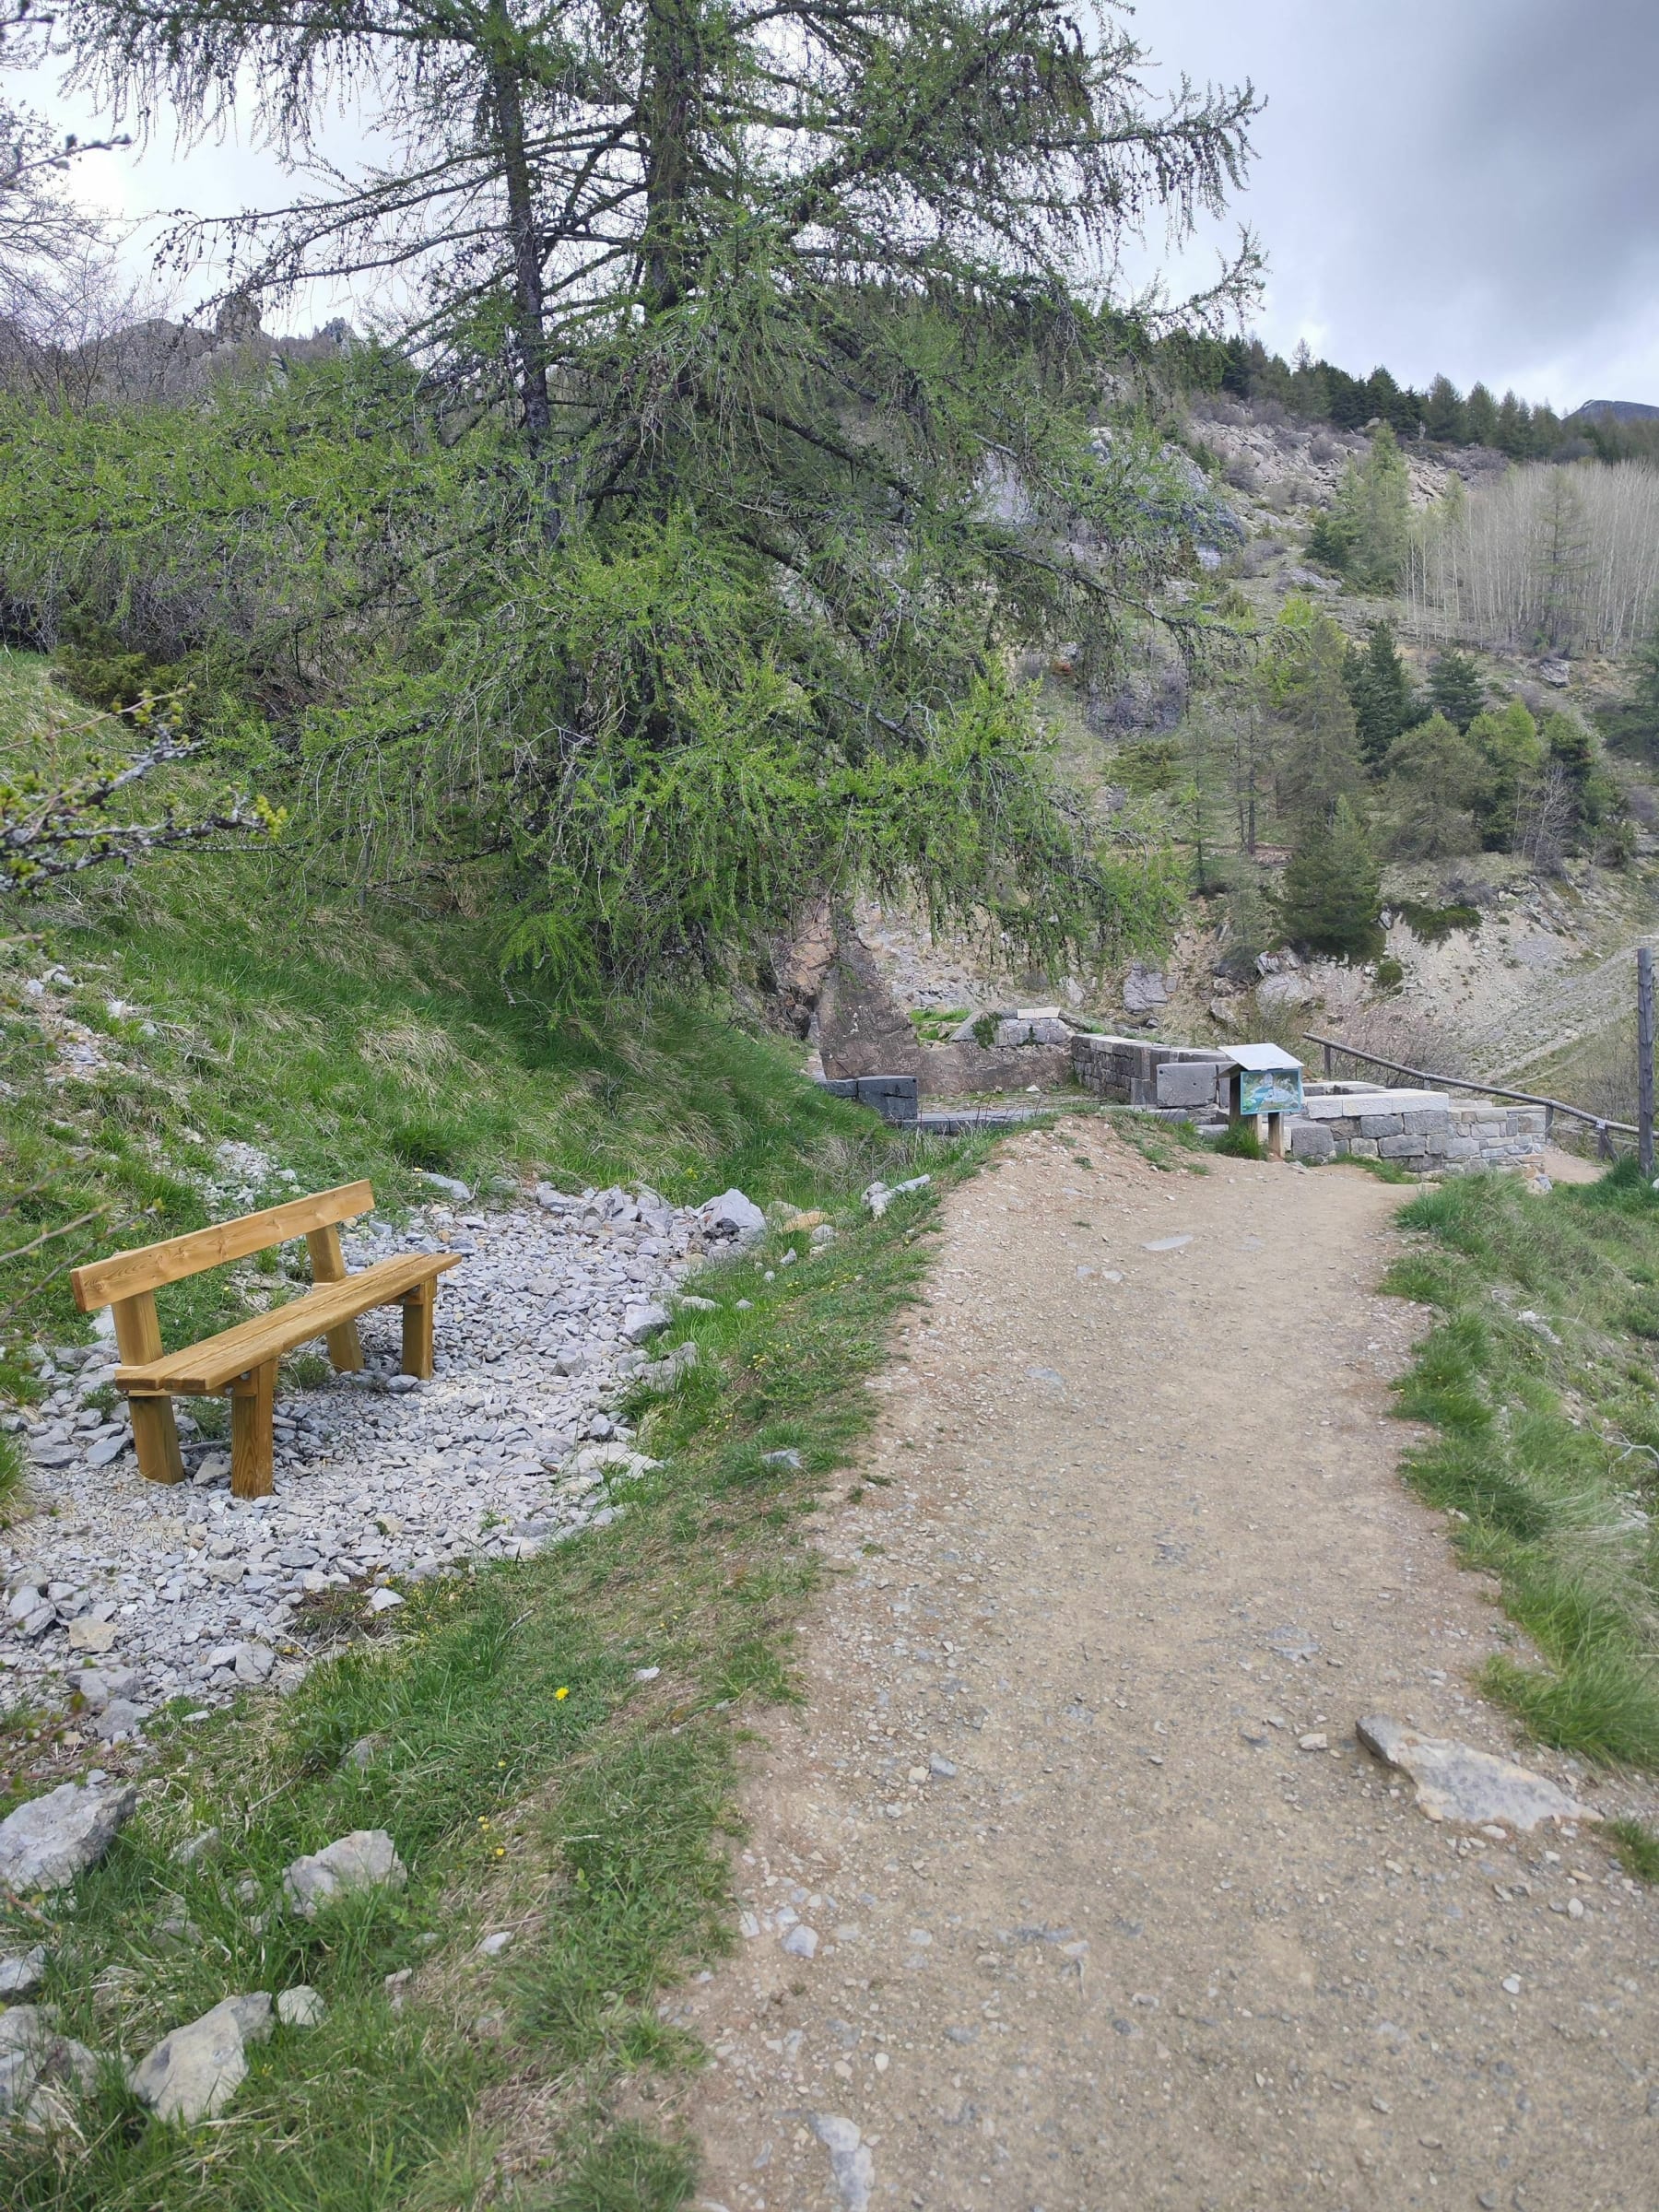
[{"x": 794, "y": 316}]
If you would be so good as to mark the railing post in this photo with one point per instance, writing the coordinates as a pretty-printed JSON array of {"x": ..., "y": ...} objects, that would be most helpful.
[
  {"x": 1644, "y": 1060},
  {"x": 1330, "y": 1062}
]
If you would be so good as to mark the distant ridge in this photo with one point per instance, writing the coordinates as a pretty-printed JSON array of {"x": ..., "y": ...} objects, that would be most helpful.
[{"x": 1620, "y": 410}]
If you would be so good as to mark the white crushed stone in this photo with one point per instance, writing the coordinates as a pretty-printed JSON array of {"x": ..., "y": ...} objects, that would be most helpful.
[{"x": 371, "y": 1484}]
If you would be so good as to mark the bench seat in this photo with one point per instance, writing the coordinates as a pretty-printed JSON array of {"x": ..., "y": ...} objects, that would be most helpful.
[{"x": 213, "y": 1365}]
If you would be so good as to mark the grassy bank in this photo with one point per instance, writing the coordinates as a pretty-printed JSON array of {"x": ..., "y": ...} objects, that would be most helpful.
[{"x": 1539, "y": 1375}]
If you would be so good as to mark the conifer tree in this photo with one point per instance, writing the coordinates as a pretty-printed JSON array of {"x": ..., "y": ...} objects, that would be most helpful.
[
  {"x": 1365, "y": 531},
  {"x": 1436, "y": 787},
  {"x": 1455, "y": 689},
  {"x": 1445, "y": 414},
  {"x": 1301, "y": 683},
  {"x": 1514, "y": 755},
  {"x": 1381, "y": 690},
  {"x": 1480, "y": 415},
  {"x": 1332, "y": 887}
]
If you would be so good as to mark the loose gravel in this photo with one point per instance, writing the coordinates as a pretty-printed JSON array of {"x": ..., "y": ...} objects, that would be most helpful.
[{"x": 133, "y": 1593}]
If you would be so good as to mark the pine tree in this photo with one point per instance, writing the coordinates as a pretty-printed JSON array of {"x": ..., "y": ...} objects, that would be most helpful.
[
  {"x": 1436, "y": 784},
  {"x": 1480, "y": 416},
  {"x": 1455, "y": 687},
  {"x": 1365, "y": 531},
  {"x": 1514, "y": 755},
  {"x": 1445, "y": 414},
  {"x": 1332, "y": 887},
  {"x": 1299, "y": 682},
  {"x": 1381, "y": 690}
]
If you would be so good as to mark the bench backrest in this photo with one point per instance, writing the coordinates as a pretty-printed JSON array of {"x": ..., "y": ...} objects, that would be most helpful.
[{"x": 128, "y": 1274}]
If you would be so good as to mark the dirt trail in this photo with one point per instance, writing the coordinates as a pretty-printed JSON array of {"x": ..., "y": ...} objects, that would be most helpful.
[{"x": 1140, "y": 1947}]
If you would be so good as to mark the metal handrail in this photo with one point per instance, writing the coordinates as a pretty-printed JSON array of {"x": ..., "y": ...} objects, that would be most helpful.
[{"x": 1600, "y": 1123}]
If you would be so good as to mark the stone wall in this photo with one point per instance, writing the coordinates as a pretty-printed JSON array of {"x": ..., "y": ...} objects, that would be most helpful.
[
  {"x": 1125, "y": 1070},
  {"x": 1420, "y": 1130}
]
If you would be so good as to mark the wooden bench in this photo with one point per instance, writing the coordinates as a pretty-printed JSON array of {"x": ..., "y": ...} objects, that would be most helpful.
[{"x": 243, "y": 1359}]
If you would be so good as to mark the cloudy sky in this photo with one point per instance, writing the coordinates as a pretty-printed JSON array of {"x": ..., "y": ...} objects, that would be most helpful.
[{"x": 1466, "y": 185}]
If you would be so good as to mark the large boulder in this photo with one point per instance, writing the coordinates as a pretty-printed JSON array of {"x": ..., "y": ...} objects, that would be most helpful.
[
  {"x": 366, "y": 1859},
  {"x": 194, "y": 2072},
  {"x": 45, "y": 1844}
]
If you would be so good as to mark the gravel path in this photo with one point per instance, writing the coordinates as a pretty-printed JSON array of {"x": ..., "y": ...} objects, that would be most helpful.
[{"x": 1052, "y": 1898}]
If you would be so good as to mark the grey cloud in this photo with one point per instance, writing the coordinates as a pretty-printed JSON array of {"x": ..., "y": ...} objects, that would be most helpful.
[{"x": 1470, "y": 186}]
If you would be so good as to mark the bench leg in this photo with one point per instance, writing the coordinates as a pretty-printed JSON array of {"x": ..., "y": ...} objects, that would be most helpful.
[
  {"x": 252, "y": 1402},
  {"x": 419, "y": 1308},
  {"x": 328, "y": 1265},
  {"x": 156, "y": 1440}
]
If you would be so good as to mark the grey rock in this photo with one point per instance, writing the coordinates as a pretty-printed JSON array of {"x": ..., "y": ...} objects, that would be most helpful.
[
  {"x": 46, "y": 1842},
  {"x": 1454, "y": 1782},
  {"x": 787, "y": 1457},
  {"x": 401, "y": 1385},
  {"x": 21, "y": 1972},
  {"x": 450, "y": 1185},
  {"x": 639, "y": 1322},
  {"x": 493, "y": 1946},
  {"x": 120, "y": 1718},
  {"x": 193, "y": 2072},
  {"x": 300, "y": 2007},
  {"x": 366, "y": 1859},
  {"x": 106, "y": 1449},
  {"x": 802, "y": 1942},
  {"x": 733, "y": 1215},
  {"x": 40, "y": 2070},
  {"x": 941, "y": 1768},
  {"x": 194, "y": 1847},
  {"x": 852, "y": 2165},
  {"x": 1144, "y": 988}
]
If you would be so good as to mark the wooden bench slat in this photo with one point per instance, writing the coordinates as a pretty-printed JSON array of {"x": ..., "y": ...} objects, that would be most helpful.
[
  {"x": 146, "y": 1266},
  {"x": 201, "y": 1369}
]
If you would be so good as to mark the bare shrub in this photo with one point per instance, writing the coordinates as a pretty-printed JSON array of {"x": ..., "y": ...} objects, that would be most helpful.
[{"x": 1401, "y": 1034}]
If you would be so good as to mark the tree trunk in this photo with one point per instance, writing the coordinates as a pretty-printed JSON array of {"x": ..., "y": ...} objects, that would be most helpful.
[
  {"x": 529, "y": 319},
  {"x": 670, "y": 91}
]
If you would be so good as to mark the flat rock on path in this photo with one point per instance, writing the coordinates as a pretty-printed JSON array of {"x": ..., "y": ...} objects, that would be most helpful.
[{"x": 1092, "y": 1928}]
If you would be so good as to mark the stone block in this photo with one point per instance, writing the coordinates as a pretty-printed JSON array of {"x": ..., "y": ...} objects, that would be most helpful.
[
  {"x": 1435, "y": 1142},
  {"x": 1361, "y": 1148},
  {"x": 1381, "y": 1125},
  {"x": 1461, "y": 1148},
  {"x": 1421, "y": 1119},
  {"x": 1312, "y": 1141},
  {"x": 1186, "y": 1083},
  {"x": 1399, "y": 1148}
]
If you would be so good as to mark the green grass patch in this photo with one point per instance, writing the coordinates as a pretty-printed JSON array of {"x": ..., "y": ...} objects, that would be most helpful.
[
  {"x": 1543, "y": 1395},
  {"x": 1239, "y": 1141},
  {"x": 1638, "y": 1848},
  {"x": 1166, "y": 1145}
]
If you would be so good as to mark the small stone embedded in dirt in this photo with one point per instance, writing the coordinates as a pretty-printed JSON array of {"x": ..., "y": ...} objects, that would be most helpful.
[
  {"x": 852, "y": 2165},
  {"x": 300, "y": 2006},
  {"x": 493, "y": 1946},
  {"x": 1292, "y": 1643},
  {"x": 193, "y": 2072},
  {"x": 1166, "y": 1244},
  {"x": 1512, "y": 1982},
  {"x": 46, "y": 1842},
  {"x": 940, "y": 1768},
  {"x": 802, "y": 1942},
  {"x": 1454, "y": 1782},
  {"x": 21, "y": 1972},
  {"x": 366, "y": 1859},
  {"x": 1316, "y": 1740}
]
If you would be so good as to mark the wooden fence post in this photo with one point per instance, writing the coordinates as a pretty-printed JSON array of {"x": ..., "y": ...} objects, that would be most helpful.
[{"x": 1644, "y": 1060}]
